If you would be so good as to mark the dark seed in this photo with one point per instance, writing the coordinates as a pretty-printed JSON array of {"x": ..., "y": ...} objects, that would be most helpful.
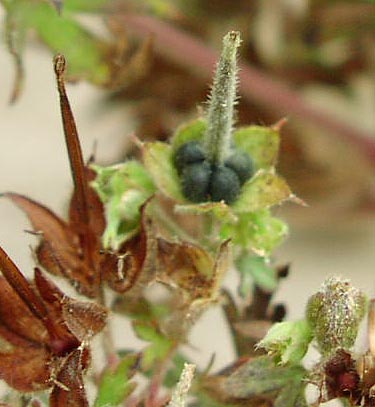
[
  {"x": 225, "y": 185},
  {"x": 189, "y": 153},
  {"x": 195, "y": 181},
  {"x": 242, "y": 165}
]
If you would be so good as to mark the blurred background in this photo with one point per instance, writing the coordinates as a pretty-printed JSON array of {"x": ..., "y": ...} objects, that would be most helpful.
[{"x": 145, "y": 67}]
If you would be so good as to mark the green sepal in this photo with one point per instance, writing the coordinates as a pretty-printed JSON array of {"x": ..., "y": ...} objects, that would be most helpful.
[
  {"x": 255, "y": 270},
  {"x": 288, "y": 341},
  {"x": 220, "y": 210},
  {"x": 115, "y": 385},
  {"x": 264, "y": 190},
  {"x": 259, "y": 231},
  {"x": 159, "y": 346},
  {"x": 158, "y": 159},
  {"x": 261, "y": 143},
  {"x": 191, "y": 131},
  {"x": 123, "y": 189}
]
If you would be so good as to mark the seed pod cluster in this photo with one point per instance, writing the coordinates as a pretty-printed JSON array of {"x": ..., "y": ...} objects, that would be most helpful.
[{"x": 203, "y": 181}]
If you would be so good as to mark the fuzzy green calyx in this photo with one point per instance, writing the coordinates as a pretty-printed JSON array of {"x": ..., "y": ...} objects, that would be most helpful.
[
  {"x": 217, "y": 139},
  {"x": 334, "y": 313}
]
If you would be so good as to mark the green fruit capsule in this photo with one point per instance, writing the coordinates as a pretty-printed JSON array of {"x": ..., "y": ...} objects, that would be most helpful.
[
  {"x": 241, "y": 164},
  {"x": 225, "y": 185},
  {"x": 189, "y": 153},
  {"x": 195, "y": 181},
  {"x": 334, "y": 313}
]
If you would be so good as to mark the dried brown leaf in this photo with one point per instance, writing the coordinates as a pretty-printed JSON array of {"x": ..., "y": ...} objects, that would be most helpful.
[{"x": 185, "y": 266}]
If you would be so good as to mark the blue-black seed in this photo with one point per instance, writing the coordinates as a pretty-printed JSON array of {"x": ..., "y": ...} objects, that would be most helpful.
[
  {"x": 195, "y": 181},
  {"x": 225, "y": 185},
  {"x": 241, "y": 163},
  {"x": 189, "y": 153}
]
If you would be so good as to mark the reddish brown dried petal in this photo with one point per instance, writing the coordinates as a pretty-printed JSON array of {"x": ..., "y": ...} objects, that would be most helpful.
[
  {"x": 62, "y": 340},
  {"x": 48, "y": 260},
  {"x": 21, "y": 286},
  {"x": 58, "y": 262},
  {"x": 69, "y": 390},
  {"x": 60, "y": 251},
  {"x": 43, "y": 220},
  {"x": 26, "y": 369},
  {"x": 77, "y": 318},
  {"x": 84, "y": 319},
  {"x": 17, "y": 322}
]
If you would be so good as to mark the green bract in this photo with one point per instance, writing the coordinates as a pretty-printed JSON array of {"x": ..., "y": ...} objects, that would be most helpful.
[{"x": 123, "y": 189}]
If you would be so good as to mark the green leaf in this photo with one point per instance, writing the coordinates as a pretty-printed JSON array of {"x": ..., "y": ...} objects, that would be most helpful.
[
  {"x": 158, "y": 159},
  {"x": 259, "y": 231},
  {"x": 288, "y": 341},
  {"x": 259, "y": 376},
  {"x": 85, "y": 5},
  {"x": 261, "y": 143},
  {"x": 173, "y": 374},
  {"x": 254, "y": 269},
  {"x": 192, "y": 131},
  {"x": 86, "y": 54},
  {"x": 160, "y": 345},
  {"x": 115, "y": 385},
  {"x": 265, "y": 189}
]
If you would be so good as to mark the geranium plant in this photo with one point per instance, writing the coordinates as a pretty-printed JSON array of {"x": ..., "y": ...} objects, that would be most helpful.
[{"x": 180, "y": 217}]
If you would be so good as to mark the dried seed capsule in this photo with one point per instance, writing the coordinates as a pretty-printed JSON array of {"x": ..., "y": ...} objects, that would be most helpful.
[
  {"x": 335, "y": 313},
  {"x": 225, "y": 185},
  {"x": 241, "y": 163},
  {"x": 195, "y": 181},
  {"x": 189, "y": 153}
]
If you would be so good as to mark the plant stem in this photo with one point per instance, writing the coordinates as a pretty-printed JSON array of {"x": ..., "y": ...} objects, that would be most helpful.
[{"x": 107, "y": 338}]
